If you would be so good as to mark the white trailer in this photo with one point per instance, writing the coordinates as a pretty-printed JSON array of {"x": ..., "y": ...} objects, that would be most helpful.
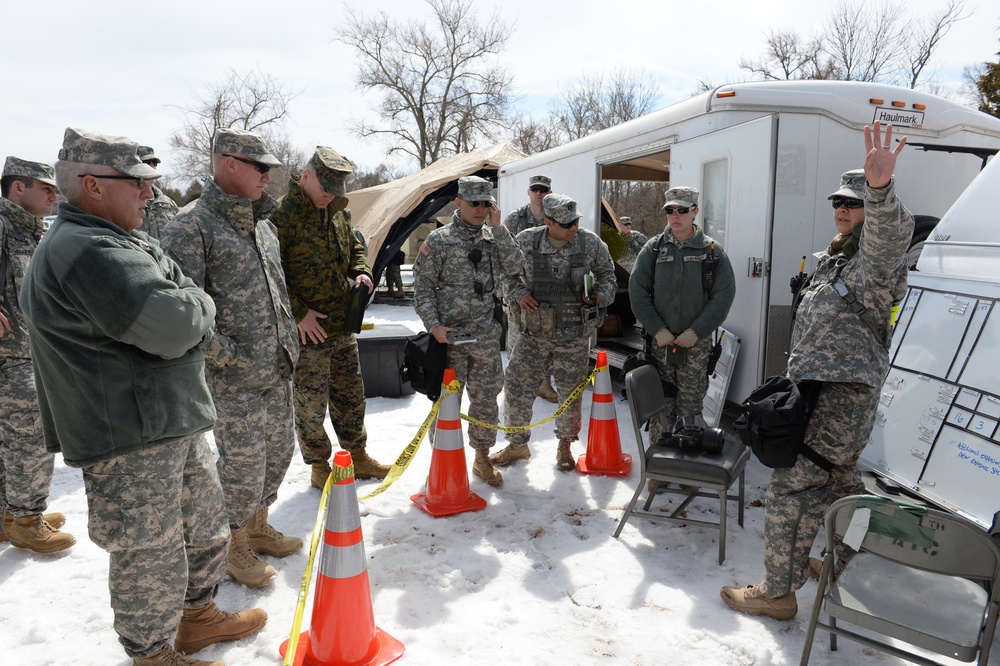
[{"x": 764, "y": 156}]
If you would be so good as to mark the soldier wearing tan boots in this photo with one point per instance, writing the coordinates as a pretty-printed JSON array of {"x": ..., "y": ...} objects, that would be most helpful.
[{"x": 115, "y": 329}]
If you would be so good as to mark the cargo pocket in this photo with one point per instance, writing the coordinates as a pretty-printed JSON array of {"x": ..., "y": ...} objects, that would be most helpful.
[{"x": 137, "y": 517}]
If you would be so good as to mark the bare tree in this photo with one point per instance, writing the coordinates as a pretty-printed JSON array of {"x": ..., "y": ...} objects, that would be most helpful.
[
  {"x": 596, "y": 103},
  {"x": 790, "y": 56},
  {"x": 865, "y": 41},
  {"x": 253, "y": 101},
  {"x": 442, "y": 89},
  {"x": 362, "y": 178},
  {"x": 926, "y": 35},
  {"x": 532, "y": 136}
]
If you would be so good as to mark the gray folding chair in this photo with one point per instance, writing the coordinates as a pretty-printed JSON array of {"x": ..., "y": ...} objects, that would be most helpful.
[
  {"x": 661, "y": 464},
  {"x": 921, "y": 576}
]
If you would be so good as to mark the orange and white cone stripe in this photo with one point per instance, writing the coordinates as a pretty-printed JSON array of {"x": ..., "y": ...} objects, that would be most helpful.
[{"x": 604, "y": 447}]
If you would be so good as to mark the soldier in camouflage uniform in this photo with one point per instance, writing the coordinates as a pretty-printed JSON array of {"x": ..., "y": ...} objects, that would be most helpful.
[
  {"x": 526, "y": 217},
  {"x": 634, "y": 242},
  {"x": 29, "y": 192},
  {"x": 225, "y": 243},
  {"x": 671, "y": 300},
  {"x": 834, "y": 345},
  {"x": 456, "y": 279},
  {"x": 162, "y": 208},
  {"x": 323, "y": 261},
  {"x": 556, "y": 317},
  {"x": 115, "y": 329}
]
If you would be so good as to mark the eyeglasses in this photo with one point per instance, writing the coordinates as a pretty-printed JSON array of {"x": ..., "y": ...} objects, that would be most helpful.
[
  {"x": 475, "y": 256},
  {"x": 680, "y": 210},
  {"x": 851, "y": 203},
  {"x": 568, "y": 225},
  {"x": 140, "y": 183},
  {"x": 260, "y": 166},
  {"x": 477, "y": 204},
  {"x": 539, "y": 188}
]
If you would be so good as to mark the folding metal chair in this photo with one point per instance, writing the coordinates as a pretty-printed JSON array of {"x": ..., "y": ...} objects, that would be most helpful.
[
  {"x": 661, "y": 464},
  {"x": 921, "y": 576}
]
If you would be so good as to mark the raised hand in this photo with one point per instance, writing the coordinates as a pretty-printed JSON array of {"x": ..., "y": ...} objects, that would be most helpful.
[{"x": 880, "y": 159}]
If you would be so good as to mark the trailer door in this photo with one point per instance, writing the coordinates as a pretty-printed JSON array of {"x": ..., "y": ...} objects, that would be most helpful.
[{"x": 733, "y": 168}]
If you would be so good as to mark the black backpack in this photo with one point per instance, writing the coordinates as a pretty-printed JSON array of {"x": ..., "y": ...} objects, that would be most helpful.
[
  {"x": 772, "y": 422},
  {"x": 424, "y": 361}
]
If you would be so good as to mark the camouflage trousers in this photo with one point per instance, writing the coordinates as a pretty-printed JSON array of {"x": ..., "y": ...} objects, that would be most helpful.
[
  {"x": 691, "y": 380},
  {"x": 160, "y": 514},
  {"x": 797, "y": 497},
  {"x": 393, "y": 277},
  {"x": 479, "y": 369},
  {"x": 526, "y": 367},
  {"x": 328, "y": 375},
  {"x": 256, "y": 440},
  {"x": 25, "y": 465}
]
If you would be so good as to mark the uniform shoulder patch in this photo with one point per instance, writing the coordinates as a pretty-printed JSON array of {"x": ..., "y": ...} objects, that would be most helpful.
[{"x": 425, "y": 249}]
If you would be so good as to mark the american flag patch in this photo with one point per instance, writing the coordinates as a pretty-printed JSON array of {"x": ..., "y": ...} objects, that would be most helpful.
[{"x": 425, "y": 249}]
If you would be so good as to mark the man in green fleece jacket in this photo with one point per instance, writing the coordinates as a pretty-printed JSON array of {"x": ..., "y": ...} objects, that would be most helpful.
[{"x": 114, "y": 327}]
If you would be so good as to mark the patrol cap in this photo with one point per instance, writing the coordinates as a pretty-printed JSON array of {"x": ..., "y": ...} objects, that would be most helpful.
[
  {"x": 15, "y": 166},
  {"x": 544, "y": 181},
  {"x": 625, "y": 221},
  {"x": 331, "y": 170},
  {"x": 560, "y": 208},
  {"x": 117, "y": 152},
  {"x": 681, "y": 196},
  {"x": 474, "y": 188},
  {"x": 231, "y": 140},
  {"x": 852, "y": 185},
  {"x": 147, "y": 155}
]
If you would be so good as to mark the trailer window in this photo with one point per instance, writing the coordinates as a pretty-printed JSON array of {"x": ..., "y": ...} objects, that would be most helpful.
[{"x": 715, "y": 199}]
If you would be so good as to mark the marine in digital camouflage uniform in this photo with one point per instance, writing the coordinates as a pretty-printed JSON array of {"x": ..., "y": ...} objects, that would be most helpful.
[
  {"x": 105, "y": 306},
  {"x": 556, "y": 320},
  {"x": 323, "y": 261},
  {"x": 634, "y": 242},
  {"x": 161, "y": 209},
  {"x": 669, "y": 298},
  {"x": 28, "y": 192},
  {"x": 226, "y": 244},
  {"x": 832, "y": 344},
  {"x": 457, "y": 275}
]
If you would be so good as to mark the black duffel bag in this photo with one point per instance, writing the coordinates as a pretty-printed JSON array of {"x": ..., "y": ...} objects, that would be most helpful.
[{"x": 424, "y": 361}]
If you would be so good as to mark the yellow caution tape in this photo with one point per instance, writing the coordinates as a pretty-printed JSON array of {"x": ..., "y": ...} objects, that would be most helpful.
[{"x": 575, "y": 395}]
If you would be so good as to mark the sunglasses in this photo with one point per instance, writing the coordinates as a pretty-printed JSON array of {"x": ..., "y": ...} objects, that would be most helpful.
[
  {"x": 261, "y": 167},
  {"x": 680, "y": 210},
  {"x": 847, "y": 201},
  {"x": 568, "y": 225},
  {"x": 477, "y": 204},
  {"x": 539, "y": 188},
  {"x": 140, "y": 183}
]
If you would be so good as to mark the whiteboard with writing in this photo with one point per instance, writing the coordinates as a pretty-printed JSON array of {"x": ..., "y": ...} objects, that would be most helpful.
[{"x": 937, "y": 430}]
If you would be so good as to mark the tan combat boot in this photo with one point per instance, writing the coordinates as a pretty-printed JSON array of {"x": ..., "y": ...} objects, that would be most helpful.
[
  {"x": 205, "y": 625},
  {"x": 320, "y": 472},
  {"x": 55, "y": 521},
  {"x": 483, "y": 467},
  {"x": 244, "y": 566},
  {"x": 366, "y": 467},
  {"x": 169, "y": 657},
  {"x": 751, "y": 600},
  {"x": 547, "y": 391},
  {"x": 564, "y": 456},
  {"x": 266, "y": 540},
  {"x": 510, "y": 454},
  {"x": 33, "y": 533}
]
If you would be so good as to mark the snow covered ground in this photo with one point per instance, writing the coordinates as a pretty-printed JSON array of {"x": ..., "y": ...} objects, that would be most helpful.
[{"x": 534, "y": 578}]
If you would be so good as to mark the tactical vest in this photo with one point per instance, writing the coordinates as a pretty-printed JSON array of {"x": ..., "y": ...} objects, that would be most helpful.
[{"x": 560, "y": 294}]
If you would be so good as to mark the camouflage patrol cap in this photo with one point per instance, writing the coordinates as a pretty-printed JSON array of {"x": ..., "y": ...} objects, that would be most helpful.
[
  {"x": 147, "y": 155},
  {"x": 852, "y": 185},
  {"x": 15, "y": 166},
  {"x": 625, "y": 221},
  {"x": 230, "y": 140},
  {"x": 560, "y": 208},
  {"x": 331, "y": 170},
  {"x": 544, "y": 181},
  {"x": 474, "y": 188},
  {"x": 682, "y": 196},
  {"x": 117, "y": 152}
]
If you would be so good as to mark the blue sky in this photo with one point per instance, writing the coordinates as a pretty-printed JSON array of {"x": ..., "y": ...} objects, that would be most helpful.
[{"x": 130, "y": 68}]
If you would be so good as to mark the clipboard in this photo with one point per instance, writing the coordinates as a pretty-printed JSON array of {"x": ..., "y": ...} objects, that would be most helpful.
[{"x": 357, "y": 302}]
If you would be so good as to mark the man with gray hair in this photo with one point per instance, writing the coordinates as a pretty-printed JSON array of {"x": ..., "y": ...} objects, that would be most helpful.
[
  {"x": 115, "y": 329},
  {"x": 456, "y": 279},
  {"x": 162, "y": 208},
  {"x": 28, "y": 193},
  {"x": 226, "y": 244}
]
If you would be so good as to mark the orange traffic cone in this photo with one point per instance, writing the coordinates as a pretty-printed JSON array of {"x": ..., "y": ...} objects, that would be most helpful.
[
  {"x": 343, "y": 631},
  {"x": 448, "y": 481},
  {"x": 604, "y": 446}
]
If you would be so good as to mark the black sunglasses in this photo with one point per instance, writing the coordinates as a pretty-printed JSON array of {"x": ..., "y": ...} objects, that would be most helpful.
[
  {"x": 139, "y": 182},
  {"x": 260, "y": 166},
  {"x": 477, "y": 204},
  {"x": 681, "y": 210},
  {"x": 568, "y": 225},
  {"x": 539, "y": 188},
  {"x": 851, "y": 203}
]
